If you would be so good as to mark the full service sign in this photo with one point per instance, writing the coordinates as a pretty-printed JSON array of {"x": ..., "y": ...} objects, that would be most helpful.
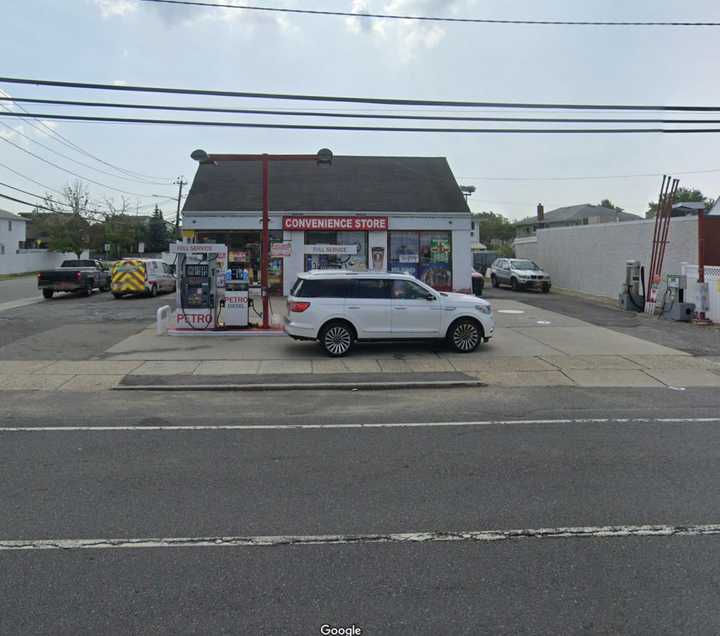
[{"x": 335, "y": 223}]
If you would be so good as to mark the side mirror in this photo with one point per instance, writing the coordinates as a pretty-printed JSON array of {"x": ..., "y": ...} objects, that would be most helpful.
[{"x": 430, "y": 297}]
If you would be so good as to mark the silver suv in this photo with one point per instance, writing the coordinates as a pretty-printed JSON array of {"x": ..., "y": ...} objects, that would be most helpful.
[
  {"x": 519, "y": 273},
  {"x": 340, "y": 307}
]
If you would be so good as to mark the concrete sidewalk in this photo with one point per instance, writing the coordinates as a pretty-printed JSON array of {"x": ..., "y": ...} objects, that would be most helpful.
[{"x": 532, "y": 347}]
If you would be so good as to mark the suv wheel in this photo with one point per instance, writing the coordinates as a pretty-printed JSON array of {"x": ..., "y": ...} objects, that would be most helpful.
[
  {"x": 546, "y": 288},
  {"x": 464, "y": 336},
  {"x": 48, "y": 293},
  {"x": 337, "y": 339},
  {"x": 515, "y": 285}
]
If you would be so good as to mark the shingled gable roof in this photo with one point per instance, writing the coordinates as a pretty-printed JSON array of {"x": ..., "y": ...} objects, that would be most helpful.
[
  {"x": 578, "y": 212},
  {"x": 424, "y": 185}
]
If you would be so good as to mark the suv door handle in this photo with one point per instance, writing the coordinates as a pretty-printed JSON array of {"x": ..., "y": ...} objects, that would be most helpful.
[
  {"x": 354, "y": 307},
  {"x": 401, "y": 308}
]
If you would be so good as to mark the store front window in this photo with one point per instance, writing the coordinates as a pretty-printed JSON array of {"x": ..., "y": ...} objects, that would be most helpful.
[
  {"x": 425, "y": 255},
  {"x": 244, "y": 250},
  {"x": 336, "y": 250}
]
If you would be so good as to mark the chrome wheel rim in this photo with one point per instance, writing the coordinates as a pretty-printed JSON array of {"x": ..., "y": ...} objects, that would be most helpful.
[
  {"x": 466, "y": 336},
  {"x": 337, "y": 340}
]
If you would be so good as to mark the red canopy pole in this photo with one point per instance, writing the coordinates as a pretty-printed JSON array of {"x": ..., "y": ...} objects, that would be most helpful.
[{"x": 265, "y": 250}]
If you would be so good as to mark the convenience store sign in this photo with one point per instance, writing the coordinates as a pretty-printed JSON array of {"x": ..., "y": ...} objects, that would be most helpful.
[{"x": 335, "y": 223}]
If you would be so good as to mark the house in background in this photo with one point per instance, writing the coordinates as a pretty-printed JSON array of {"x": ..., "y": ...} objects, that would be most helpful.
[
  {"x": 583, "y": 214},
  {"x": 12, "y": 234},
  {"x": 18, "y": 254}
]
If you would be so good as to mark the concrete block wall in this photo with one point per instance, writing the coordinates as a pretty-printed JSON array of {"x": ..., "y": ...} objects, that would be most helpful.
[
  {"x": 591, "y": 258},
  {"x": 22, "y": 261}
]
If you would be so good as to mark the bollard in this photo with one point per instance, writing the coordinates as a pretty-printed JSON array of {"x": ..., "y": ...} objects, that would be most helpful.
[{"x": 162, "y": 319}]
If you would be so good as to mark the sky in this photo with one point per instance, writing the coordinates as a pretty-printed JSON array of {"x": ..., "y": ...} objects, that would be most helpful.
[{"x": 125, "y": 41}]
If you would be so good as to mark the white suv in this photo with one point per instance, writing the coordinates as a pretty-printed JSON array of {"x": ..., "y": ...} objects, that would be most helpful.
[{"x": 339, "y": 307}]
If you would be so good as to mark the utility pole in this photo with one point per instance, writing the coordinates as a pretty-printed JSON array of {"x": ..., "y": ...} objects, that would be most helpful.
[{"x": 180, "y": 182}]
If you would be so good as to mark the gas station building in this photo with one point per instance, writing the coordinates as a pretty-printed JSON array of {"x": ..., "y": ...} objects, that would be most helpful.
[{"x": 400, "y": 214}]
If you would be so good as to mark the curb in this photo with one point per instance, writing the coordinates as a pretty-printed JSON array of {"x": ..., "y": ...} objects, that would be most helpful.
[{"x": 307, "y": 386}]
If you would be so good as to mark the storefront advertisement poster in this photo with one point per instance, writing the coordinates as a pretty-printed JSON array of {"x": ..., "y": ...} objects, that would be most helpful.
[
  {"x": 378, "y": 258},
  {"x": 237, "y": 256},
  {"x": 280, "y": 250},
  {"x": 440, "y": 250}
]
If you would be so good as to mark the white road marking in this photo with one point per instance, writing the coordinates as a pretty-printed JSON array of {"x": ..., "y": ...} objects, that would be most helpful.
[
  {"x": 372, "y": 425},
  {"x": 335, "y": 539},
  {"x": 510, "y": 311}
]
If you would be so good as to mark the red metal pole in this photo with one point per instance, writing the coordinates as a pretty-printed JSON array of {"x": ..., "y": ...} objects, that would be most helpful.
[
  {"x": 701, "y": 246},
  {"x": 265, "y": 250}
]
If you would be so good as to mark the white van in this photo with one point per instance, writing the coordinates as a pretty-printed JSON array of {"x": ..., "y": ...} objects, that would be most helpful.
[{"x": 148, "y": 276}]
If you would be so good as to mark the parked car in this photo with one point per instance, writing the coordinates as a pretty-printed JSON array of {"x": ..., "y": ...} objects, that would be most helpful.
[
  {"x": 478, "y": 283},
  {"x": 73, "y": 276},
  {"x": 338, "y": 308},
  {"x": 147, "y": 276},
  {"x": 519, "y": 273}
]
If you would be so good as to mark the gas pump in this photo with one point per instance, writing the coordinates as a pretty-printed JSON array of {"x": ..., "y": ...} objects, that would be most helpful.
[
  {"x": 676, "y": 308},
  {"x": 632, "y": 298},
  {"x": 201, "y": 284}
]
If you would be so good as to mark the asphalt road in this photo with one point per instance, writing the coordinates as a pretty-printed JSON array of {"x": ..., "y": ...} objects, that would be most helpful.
[{"x": 473, "y": 460}]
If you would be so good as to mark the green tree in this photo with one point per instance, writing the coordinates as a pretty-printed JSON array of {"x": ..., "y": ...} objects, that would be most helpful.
[
  {"x": 607, "y": 203},
  {"x": 491, "y": 226},
  {"x": 68, "y": 233},
  {"x": 121, "y": 230},
  {"x": 683, "y": 195},
  {"x": 66, "y": 227},
  {"x": 157, "y": 233}
]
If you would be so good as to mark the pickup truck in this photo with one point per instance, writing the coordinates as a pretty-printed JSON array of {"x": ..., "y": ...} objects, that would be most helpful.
[{"x": 73, "y": 276}]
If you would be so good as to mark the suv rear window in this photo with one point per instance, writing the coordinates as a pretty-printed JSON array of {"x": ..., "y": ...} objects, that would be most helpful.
[{"x": 321, "y": 288}]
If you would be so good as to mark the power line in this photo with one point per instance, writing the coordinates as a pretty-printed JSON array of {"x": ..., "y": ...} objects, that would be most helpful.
[
  {"x": 387, "y": 16},
  {"x": 32, "y": 194},
  {"x": 80, "y": 163},
  {"x": 231, "y": 124},
  {"x": 75, "y": 174},
  {"x": 306, "y": 113},
  {"x": 32, "y": 205},
  {"x": 591, "y": 177},
  {"x": 74, "y": 147},
  {"x": 22, "y": 176},
  {"x": 353, "y": 100}
]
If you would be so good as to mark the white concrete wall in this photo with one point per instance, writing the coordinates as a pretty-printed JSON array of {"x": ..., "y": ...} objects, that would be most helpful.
[
  {"x": 33, "y": 260},
  {"x": 591, "y": 258}
]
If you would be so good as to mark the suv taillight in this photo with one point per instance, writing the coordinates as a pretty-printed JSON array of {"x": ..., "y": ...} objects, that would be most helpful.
[
  {"x": 298, "y": 307},
  {"x": 78, "y": 275}
]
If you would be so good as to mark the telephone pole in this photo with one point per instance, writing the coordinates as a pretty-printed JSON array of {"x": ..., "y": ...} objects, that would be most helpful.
[{"x": 180, "y": 182}]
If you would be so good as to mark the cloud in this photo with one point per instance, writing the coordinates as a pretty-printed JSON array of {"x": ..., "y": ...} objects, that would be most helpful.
[
  {"x": 114, "y": 8},
  {"x": 181, "y": 16},
  {"x": 407, "y": 36}
]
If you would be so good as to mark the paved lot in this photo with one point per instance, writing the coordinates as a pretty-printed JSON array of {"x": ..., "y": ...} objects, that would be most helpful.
[
  {"x": 700, "y": 341},
  {"x": 72, "y": 327},
  {"x": 431, "y": 463},
  {"x": 22, "y": 288}
]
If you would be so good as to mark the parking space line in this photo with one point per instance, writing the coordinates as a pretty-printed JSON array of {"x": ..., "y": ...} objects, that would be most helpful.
[
  {"x": 483, "y": 536},
  {"x": 371, "y": 425}
]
